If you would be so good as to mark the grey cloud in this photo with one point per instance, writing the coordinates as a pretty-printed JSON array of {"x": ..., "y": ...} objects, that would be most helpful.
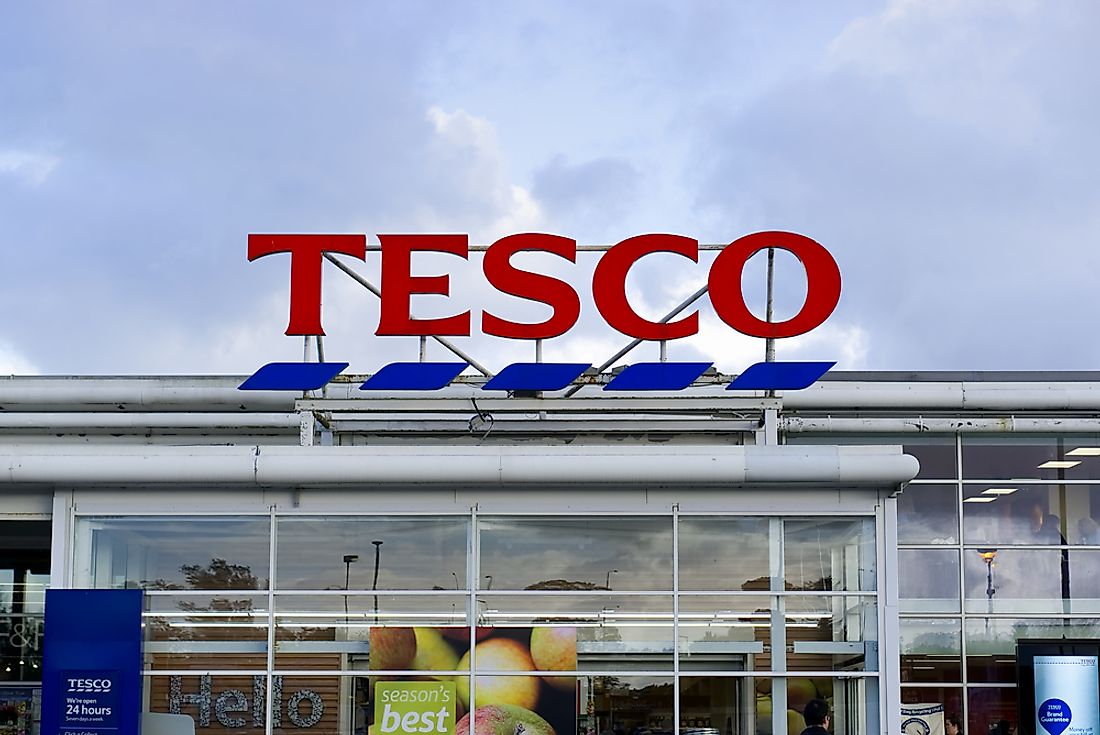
[
  {"x": 588, "y": 196},
  {"x": 178, "y": 131},
  {"x": 962, "y": 247}
]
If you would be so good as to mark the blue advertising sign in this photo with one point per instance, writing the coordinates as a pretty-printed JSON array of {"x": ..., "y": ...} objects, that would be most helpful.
[{"x": 91, "y": 667}]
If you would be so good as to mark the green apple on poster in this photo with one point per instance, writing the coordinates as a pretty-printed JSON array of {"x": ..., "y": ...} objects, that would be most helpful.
[{"x": 414, "y": 707}]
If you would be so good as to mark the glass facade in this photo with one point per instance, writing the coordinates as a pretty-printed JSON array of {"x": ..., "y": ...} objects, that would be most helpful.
[
  {"x": 24, "y": 577},
  {"x": 596, "y": 624},
  {"x": 286, "y": 611},
  {"x": 996, "y": 545}
]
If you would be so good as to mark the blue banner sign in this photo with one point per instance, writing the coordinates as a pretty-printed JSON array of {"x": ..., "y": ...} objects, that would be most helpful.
[{"x": 91, "y": 673}]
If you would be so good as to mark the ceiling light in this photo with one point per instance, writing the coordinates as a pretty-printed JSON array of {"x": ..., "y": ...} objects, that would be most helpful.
[
  {"x": 981, "y": 499},
  {"x": 999, "y": 491},
  {"x": 1059, "y": 464},
  {"x": 1084, "y": 452}
]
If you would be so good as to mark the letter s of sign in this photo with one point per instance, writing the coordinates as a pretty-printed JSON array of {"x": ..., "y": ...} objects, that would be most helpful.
[
  {"x": 822, "y": 284},
  {"x": 505, "y": 277},
  {"x": 306, "y": 254}
]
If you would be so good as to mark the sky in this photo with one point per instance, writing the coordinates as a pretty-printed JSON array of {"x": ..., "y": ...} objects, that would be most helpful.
[{"x": 944, "y": 151}]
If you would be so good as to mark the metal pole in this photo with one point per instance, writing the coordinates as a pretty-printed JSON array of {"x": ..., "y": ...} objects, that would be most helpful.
[
  {"x": 374, "y": 584},
  {"x": 377, "y": 292},
  {"x": 634, "y": 343},
  {"x": 348, "y": 560},
  {"x": 769, "y": 343}
]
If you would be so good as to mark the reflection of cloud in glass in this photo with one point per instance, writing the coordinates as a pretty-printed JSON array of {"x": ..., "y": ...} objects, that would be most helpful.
[
  {"x": 520, "y": 552},
  {"x": 723, "y": 553},
  {"x": 829, "y": 554},
  {"x": 417, "y": 553},
  {"x": 127, "y": 551}
]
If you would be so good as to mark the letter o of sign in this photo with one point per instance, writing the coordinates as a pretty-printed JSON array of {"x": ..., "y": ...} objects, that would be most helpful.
[{"x": 822, "y": 284}]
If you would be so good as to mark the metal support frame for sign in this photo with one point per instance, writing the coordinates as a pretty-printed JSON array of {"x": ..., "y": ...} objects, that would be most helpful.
[{"x": 362, "y": 281}]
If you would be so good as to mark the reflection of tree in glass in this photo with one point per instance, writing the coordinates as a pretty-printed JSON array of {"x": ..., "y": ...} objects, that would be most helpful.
[
  {"x": 219, "y": 574},
  {"x": 564, "y": 584},
  {"x": 936, "y": 642}
]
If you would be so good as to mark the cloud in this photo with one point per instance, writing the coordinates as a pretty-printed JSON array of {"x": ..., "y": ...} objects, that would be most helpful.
[
  {"x": 944, "y": 151},
  {"x": 591, "y": 196},
  {"x": 936, "y": 151},
  {"x": 14, "y": 363},
  {"x": 480, "y": 196},
  {"x": 32, "y": 169}
]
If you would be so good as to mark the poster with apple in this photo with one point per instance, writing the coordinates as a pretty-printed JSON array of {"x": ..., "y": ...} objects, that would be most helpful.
[{"x": 506, "y": 704}]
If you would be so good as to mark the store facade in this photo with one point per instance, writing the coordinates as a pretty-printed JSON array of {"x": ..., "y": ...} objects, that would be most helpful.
[{"x": 704, "y": 561}]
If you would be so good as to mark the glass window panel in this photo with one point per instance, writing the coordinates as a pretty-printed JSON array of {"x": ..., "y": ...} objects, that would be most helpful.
[
  {"x": 1084, "y": 580},
  {"x": 307, "y": 624},
  {"x": 949, "y": 697},
  {"x": 613, "y": 632},
  {"x": 1003, "y": 457},
  {"x": 433, "y": 652},
  {"x": 928, "y": 580},
  {"x": 576, "y": 554},
  {"x": 1018, "y": 580},
  {"x": 728, "y": 553},
  {"x": 992, "y": 711},
  {"x": 725, "y": 705},
  {"x": 991, "y": 642},
  {"x": 928, "y": 514},
  {"x": 7, "y": 591},
  {"x": 250, "y": 656},
  {"x": 578, "y": 705},
  {"x": 174, "y": 553},
  {"x": 835, "y": 633},
  {"x": 21, "y": 643},
  {"x": 852, "y": 703},
  {"x": 415, "y": 553},
  {"x": 1008, "y": 513},
  {"x": 829, "y": 554},
  {"x": 936, "y": 454},
  {"x": 174, "y": 622},
  {"x": 222, "y": 704},
  {"x": 726, "y": 632},
  {"x": 931, "y": 650}
]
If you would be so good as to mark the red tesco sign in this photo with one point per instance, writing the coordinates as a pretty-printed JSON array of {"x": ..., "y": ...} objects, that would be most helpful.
[{"x": 608, "y": 283}]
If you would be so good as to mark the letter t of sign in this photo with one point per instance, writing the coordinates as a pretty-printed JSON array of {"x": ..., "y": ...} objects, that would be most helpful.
[{"x": 306, "y": 256}]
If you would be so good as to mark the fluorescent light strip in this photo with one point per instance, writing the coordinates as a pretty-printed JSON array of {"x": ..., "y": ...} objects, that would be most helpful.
[
  {"x": 999, "y": 491},
  {"x": 980, "y": 499},
  {"x": 1084, "y": 452},
  {"x": 1059, "y": 464}
]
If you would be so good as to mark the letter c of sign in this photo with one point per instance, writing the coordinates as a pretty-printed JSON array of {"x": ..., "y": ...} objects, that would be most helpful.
[
  {"x": 609, "y": 286},
  {"x": 822, "y": 284}
]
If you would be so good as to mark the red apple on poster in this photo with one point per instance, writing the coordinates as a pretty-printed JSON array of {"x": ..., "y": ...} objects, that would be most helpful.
[
  {"x": 462, "y": 635},
  {"x": 392, "y": 649},
  {"x": 504, "y": 719}
]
